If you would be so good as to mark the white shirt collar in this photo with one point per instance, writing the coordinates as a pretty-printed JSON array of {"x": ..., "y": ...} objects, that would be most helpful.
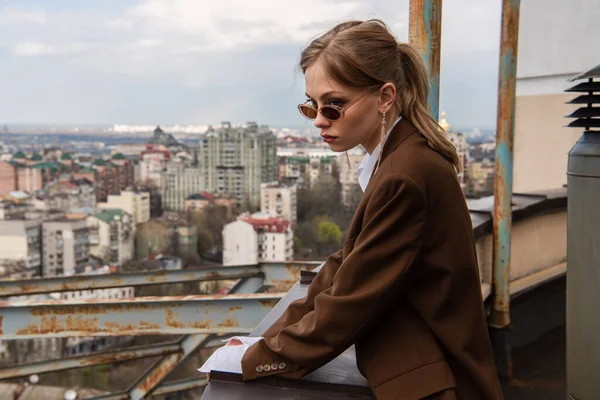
[{"x": 365, "y": 170}]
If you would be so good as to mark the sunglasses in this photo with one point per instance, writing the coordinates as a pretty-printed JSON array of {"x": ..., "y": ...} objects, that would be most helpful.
[{"x": 329, "y": 111}]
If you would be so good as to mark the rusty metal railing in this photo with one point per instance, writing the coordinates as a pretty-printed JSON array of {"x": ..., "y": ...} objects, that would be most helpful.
[{"x": 200, "y": 319}]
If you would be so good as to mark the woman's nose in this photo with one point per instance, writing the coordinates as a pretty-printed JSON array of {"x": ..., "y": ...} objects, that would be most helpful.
[{"x": 321, "y": 122}]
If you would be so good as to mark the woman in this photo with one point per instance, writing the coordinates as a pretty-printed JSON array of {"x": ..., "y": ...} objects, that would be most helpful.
[{"x": 405, "y": 289}]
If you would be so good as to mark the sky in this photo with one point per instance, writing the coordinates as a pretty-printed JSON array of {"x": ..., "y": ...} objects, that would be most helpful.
[{"x": 202, "y": 62}]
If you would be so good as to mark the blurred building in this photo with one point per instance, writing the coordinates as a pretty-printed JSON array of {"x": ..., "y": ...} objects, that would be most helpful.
[
  {"x": 152, "y": 165},
  {"x": 279, "y": 201},
  {"x": 459, "y": 141},
  {"x": 178, "y": 183},
  {"x": 351, "y": 191},
  {"x": 200, "y": 200},
  {"x": 295, "y": 170},
  {"x": 135, "y": 203},
  {"x": 320, "y": 168},
  {"x": 22, "y": 243},
  {"x": 129, "y": 149},
  {"x": 112, "y": 236},
  {"x": 173, "y": 233},
  {"x": 257, "y": 238},
  {"x": 109, "y": 176},
  {"x": 480, "y": 177},
  {"x": 236, "y": 160},
  {"x": 66, "y": 245},
  {"x": 69, "y": 195},
  {"x": 27, "y": 174},
  {"x": 16, "y": 205}
]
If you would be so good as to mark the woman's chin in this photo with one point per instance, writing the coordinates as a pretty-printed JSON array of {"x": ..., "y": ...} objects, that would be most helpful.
[{"x": 338, "y": 148}]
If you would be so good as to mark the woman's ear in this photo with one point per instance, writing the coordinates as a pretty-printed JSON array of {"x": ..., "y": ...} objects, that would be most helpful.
[{"x": 387, "y": 97}]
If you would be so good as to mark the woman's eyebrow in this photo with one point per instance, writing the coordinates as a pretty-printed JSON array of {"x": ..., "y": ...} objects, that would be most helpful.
[{"x": 326, "y": 94}]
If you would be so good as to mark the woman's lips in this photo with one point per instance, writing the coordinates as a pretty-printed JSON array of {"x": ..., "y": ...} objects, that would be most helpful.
[{"x": 328, "y": 139}]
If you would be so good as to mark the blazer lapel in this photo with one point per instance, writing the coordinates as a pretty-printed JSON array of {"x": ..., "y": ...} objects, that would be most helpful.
[{"x": 400, "y": 133}]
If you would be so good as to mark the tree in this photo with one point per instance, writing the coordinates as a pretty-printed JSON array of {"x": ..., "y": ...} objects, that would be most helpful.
[
  {"x": 329, "y": 235},
  {"x": 209, "y": 222}
]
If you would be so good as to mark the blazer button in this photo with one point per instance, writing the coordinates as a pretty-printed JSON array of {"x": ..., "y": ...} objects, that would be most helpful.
[
  {"x": 282, "y": 365},
  {"x": 274, "y": 367},
  {"x": 266, "y": 367},
  {"x": 259, "y": 368}
]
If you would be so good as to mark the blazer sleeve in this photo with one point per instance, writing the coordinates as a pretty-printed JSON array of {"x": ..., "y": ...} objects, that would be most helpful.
[
  {"x": 298, "y": 308},
  {"x": 367, "y": 281}
]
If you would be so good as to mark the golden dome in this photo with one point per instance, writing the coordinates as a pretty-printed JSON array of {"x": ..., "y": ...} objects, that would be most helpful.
[{"x": 444, "y": 122}]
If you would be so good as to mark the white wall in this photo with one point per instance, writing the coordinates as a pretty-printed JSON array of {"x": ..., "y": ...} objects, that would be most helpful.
[
  {"x": 558, "y": 39},
  {"x": 240, "y": 244}
]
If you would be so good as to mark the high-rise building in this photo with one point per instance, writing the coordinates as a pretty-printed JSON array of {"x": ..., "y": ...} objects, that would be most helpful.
[
  {"x": 236, "y": 160},
  {"x": 66, "y": 246},
  {"x": 179, "y": 183},
  {"x": 279, "y": 201}
]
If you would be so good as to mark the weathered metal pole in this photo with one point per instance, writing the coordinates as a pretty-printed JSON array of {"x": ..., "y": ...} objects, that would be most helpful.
[
  {"x": 425, "y": 34},
  {"x": 503, "y": 184}
]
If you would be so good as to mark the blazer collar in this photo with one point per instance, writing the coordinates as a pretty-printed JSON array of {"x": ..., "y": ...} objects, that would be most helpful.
[{"x": 399, "y": 134}]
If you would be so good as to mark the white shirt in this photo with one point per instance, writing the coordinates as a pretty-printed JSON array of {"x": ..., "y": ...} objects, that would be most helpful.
[{"x": 366, "y": 167}]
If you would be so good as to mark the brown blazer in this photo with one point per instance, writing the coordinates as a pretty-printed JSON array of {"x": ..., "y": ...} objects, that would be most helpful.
[{"x": 405, "y": 289}]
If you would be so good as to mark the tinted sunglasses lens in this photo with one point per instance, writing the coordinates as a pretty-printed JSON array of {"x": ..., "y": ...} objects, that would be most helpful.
[
  {"x": 307, "y": 111},
  {"x": 330, "y": 113}
]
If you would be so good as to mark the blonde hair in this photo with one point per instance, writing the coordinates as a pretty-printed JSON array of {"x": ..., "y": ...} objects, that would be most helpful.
[{"x": 366, "y": 55}]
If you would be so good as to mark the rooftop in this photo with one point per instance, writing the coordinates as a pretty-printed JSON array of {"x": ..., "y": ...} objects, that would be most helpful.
[{"x": 110, "y": 214}]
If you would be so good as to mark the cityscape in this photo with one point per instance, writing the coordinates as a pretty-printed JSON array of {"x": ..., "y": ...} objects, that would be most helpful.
[
  {"x": 234, "y": 195},
  {"x": 202, "y": 204}
]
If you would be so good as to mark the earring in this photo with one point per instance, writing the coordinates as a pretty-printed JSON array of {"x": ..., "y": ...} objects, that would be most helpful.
[
  {"x": 383, "y": 114},
  {"x": 348, "y": 159}
]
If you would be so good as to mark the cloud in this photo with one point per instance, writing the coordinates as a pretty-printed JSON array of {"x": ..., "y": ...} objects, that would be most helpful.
[
  {"x": 224, "y": 25},
  {"x": 185, "y": 61},
  {"x": 31, "y": 49},
  {"x": 19, "y": 16}
]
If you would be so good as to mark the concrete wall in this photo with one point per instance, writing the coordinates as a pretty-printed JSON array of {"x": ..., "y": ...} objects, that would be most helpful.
[
  {"x": 557, "y": 40},
  {"x": 538, "y": 250}
]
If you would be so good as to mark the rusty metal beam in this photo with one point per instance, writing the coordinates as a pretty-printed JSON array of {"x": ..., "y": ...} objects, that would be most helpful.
[
  {"x": 135, "y": 316},
  {"x": 503, "y": 185},
  {"x": 87, "y": 282},
  {"x": 154, "y": 376},
  {"x": 165, "y": 388},
  {"x": 280, "y": 275},
  {"x": 425, "y": 34},
  {"x": 180, "y": 386},
  {"x": 132, "y": 353}
]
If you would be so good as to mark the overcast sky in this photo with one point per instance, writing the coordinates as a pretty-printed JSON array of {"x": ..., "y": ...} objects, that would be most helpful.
[{"x": 201, "y": 62}]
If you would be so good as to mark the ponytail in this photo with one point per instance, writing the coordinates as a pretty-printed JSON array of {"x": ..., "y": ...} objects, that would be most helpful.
[{"x": 413, "y": 104}]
